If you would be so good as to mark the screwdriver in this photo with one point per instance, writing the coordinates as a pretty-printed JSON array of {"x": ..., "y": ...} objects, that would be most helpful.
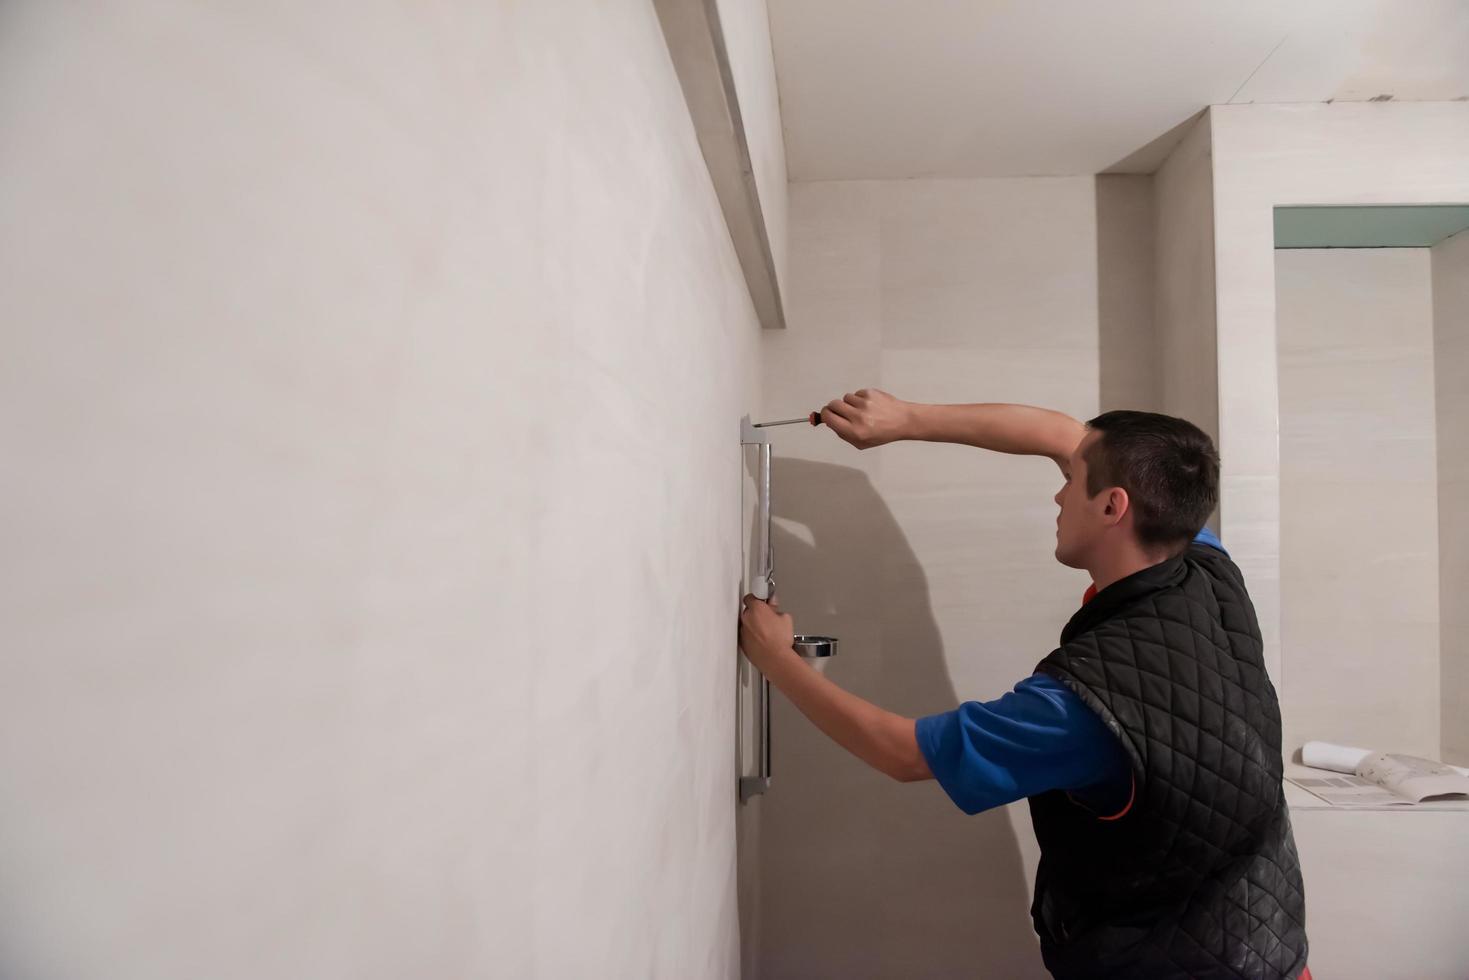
[{"x": 813, "y": 419}]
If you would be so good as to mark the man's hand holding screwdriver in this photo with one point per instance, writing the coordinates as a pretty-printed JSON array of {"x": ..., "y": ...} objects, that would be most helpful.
[{"x": 869, "y": 417}]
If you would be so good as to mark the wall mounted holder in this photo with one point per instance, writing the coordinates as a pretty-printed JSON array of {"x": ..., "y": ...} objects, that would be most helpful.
[{"x": 762, "y": 585}]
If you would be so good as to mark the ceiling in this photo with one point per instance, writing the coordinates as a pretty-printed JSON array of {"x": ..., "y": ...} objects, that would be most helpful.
[{"x": 969, "y": 88}]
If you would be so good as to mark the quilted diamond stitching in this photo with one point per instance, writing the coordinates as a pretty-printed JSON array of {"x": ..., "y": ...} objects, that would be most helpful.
[{"x": 1209, "y": 643}]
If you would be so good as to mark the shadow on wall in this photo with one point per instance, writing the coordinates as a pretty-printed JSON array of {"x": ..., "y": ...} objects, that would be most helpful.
[{"x": 861, "y": 876}]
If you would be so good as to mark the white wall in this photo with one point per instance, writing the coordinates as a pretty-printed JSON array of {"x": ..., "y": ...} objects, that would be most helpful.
[
  {"x": 745, "y": 27},
  {"x": 1183, "y": 312},
  {"x": 1265, "y": 156},
  {"x": 1450, "y": 259},
  {"x": 1359, "y": 557},
  {"x": 1271, "y": 155},
  {"x": 1131, "y": 374},
  {"x": 1371, "y": 875},
  {"x": 369, "y": 416},
  {"x": 933, "y": 564}
]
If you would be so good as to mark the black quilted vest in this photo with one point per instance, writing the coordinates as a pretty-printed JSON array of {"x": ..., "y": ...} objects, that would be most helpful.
[{"x": 1199, "y": 878}]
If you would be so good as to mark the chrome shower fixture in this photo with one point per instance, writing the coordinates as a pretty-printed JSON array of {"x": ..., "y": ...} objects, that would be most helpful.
[{"x": 815, "y": 649}]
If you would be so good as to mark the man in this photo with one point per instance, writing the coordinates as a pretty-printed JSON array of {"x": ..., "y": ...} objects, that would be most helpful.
[{"x": 1148, "y": 741}]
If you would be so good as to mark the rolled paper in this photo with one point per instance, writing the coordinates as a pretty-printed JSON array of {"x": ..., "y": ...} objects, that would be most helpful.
[
  {"x": 1344, "y": 758},
  {"x": 1337, "y": 758}
]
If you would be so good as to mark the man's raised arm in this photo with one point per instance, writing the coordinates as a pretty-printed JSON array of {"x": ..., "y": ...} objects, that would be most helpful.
[{"x": 871, "y": 417}]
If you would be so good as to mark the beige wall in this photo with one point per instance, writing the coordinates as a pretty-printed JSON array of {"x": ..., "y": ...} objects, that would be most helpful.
[
  {"x": 1131, "y": 374},
  {"x": 369, "y": 415},
  {"x": 1266, "y": 156},
  {"x": 1183, "y": 212},
  {"x": 1371, "y": 875},
  {"x": 745, "y": 26},
  {"x": 1358, "y": 499},
  {"x": 1450, "y": 260},
  {"x": 1271, "y": 155},
  {"x": 933, "y": 564}
]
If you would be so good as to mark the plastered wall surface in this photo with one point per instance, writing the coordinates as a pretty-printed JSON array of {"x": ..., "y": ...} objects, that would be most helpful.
[
  {"x": 1183, "y": 222},
  {"x": 1274, "y": 155},
  {"x": 1384, "y": 893},
  {"x": 1267, "y": 156},
  {"x": 1131, "y": 374},
  {"x": 1359, "y": 537},
  {"x": 372, "y": 554},
  {"x": 932, "y": 563},
  {"x": 1450, "y": 271}
]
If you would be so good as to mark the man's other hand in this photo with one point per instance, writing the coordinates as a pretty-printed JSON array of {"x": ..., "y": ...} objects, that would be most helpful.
[
  {"x": 765, "y": 632},
  {"x": 869, "y": 417}
]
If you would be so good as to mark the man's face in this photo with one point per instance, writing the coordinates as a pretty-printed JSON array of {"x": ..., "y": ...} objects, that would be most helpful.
[{"x": 1081, "y": 523}]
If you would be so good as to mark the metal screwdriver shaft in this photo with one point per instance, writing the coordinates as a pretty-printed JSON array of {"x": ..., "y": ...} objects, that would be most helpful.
[{"x": 813, "y": 419}]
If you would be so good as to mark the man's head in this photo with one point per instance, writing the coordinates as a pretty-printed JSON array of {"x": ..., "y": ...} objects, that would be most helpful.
[{"x": 1136, "y": 478}]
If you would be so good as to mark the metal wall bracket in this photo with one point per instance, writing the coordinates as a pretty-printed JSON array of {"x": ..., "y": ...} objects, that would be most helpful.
[
  {"x": 752, "y": 435},
  {"x": 762, "y": 586}
]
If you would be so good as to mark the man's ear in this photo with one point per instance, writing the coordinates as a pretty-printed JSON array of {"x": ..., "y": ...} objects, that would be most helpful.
[{"x": 1117, "y": 505}]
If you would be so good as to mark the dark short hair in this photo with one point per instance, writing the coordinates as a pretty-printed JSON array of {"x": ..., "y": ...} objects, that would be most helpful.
[{"x": 1167, "y": 465}]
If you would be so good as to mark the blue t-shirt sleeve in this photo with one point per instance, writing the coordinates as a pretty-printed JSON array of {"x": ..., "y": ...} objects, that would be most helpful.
[
  {"x": 1211, "y": 539},
  {"x": 1039, "y": 737}
]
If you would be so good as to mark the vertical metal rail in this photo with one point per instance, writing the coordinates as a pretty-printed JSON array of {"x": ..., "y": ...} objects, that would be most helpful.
[{"x": 762, "y": 587}]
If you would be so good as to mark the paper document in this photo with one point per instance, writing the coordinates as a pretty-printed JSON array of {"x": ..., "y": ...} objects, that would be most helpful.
[{"x": 1378, "y": 778}]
